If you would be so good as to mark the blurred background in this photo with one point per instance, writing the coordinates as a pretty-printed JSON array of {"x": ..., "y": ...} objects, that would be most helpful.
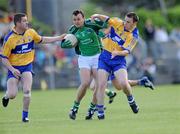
[{"x": 157, "y": 54}]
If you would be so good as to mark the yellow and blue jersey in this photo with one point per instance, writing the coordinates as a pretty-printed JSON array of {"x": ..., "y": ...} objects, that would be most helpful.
[
  {"x": 19, "y": 48},
  {"x": 119, "y": 38}
]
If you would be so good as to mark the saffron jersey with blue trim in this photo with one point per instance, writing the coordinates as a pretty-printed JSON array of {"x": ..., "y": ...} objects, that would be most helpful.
[
  {"x": 19, "y": 48},
  {"x": 118, "y": 38}
]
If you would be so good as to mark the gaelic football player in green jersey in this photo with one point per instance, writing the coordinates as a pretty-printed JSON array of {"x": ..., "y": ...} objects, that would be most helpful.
[{"x": 88, "y": 49}]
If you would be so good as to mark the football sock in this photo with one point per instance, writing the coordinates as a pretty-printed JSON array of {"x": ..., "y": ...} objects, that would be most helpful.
[
  {"x": 76, "y": 105},
  {"x": 92, "y": 106},
  {"x": 109, "y": 92},
  {"x": 24, "y": 114},
  {"x": 100, "y": 109},
  {"x": 130, "y": 99}
]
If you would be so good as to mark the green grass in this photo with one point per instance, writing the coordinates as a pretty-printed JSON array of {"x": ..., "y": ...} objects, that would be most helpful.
[{"x": 159, "y": 114}]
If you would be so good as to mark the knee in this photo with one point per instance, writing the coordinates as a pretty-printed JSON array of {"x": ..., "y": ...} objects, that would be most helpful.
[
  {"x": 118, "y": 87},
  {"x": 11, "y": 95},
  {"x": 27, "y": 93},
  {"x": 124, "y": 85},
  {"x": 102, "y": 84},
  {"x": 85, "y": 84}
]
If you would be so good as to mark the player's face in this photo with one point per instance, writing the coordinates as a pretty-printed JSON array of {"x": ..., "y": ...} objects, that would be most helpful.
[
  {"x": 128, "y": 23},
  {"x": 78, "y": 20},
  {"x": 23, "y": 24}
]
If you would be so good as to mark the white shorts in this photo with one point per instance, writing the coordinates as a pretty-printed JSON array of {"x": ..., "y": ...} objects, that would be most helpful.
[{"x": 88, "y": 62}]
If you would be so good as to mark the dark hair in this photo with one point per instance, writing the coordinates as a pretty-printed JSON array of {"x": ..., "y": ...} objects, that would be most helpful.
[
  {"x": 17, "y": 17},
  {"x": 133, "y": 15},
  {"x": 76, "y": 12}
]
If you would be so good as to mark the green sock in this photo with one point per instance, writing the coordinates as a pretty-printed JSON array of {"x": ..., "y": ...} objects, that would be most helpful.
[
  {"x": 92, "y": 106},
  {"x": 76, "y": 105},
  {"x": 109, "y": 92}
]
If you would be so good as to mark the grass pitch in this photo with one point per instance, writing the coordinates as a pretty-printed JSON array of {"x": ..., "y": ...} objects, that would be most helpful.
[{"x": 159, "y": 113}]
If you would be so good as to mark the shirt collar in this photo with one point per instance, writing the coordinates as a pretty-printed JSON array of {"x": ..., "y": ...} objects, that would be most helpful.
[{"x": 17, "y": 32}]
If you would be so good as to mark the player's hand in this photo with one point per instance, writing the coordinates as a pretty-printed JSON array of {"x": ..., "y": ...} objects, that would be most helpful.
[
  {"x": 101, "y": 34},
  {"x": 62, "y": 36},
  {"x": 66, "y": 44},
  {"x": 114, "y": 53},
  {"x": 16, "y": 73},
  {"x": 94, "y": 16}
]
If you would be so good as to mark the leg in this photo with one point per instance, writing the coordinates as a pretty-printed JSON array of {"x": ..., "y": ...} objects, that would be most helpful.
[
  {"x": 122, "y": 79},
  {"x": 144, "y": 81},
  {"x": 102, "y": 84},
  {"x": 27, "y": 85},
  {"x": 110, "y": 93},
  {"x": 12, "y": 89},
  {"x": 133, "y": 82},
  {"x": 92, "y": 85},
  {"x": 92, "y": 106},
  {"x": 85, "y": 75},
  {"x": 94, "y": 74}
]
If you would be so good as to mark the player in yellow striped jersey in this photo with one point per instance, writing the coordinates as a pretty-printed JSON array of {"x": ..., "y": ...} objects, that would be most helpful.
[
  {"x": 18, "y": 55},
  {"x": 121, "y": 38}
]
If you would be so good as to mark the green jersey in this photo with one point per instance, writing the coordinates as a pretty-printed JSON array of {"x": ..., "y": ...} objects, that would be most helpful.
[{"x": 89, "y": 43}]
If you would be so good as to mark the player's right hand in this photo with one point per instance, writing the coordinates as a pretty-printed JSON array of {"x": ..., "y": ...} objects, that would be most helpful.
[
  {"x": 16, "y": 73},
  {"x": 66, "y": 44}
]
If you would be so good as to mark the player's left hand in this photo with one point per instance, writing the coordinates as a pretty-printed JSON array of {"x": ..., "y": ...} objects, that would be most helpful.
[
  {"x": 62, "y": 36},
  {"x": 114, "y": 53},
  {"x": 66, "y": 44}
]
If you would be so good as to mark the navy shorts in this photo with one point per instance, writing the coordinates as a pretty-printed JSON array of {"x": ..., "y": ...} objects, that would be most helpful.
[
  {"x": 22, "y": 69},
  {"x": 111, "y": 65}
]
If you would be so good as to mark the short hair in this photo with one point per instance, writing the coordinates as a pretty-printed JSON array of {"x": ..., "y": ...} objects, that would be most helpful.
[
  {"x": 76, "y": 12},
  {"x": 18, "y": 16},
  {"x": 133, "y": 15}
]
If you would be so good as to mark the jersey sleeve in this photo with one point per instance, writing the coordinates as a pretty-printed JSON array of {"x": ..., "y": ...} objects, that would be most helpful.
[
  {"x": 115, "y": 22},
  {"x": 36, "y": 37},
  {"x": 96, "y": 24},
  {"x": 6, "y": 50},
  {"x": 72, "y": 30}
]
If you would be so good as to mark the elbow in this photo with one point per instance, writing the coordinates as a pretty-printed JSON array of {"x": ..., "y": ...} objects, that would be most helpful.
[
  {"x": 4, "y": 60},
  {"x": 126, "y": 52}
]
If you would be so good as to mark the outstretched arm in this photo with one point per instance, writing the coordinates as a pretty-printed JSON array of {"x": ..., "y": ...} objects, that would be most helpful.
[
  {"x": 99, "y": 16},
  {"x": 53, "y": 39}
]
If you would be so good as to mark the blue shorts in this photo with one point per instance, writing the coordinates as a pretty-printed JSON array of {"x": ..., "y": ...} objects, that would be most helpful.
[
  {"x": 22, "y": 69},
  {"x": 111, "y": 65}
]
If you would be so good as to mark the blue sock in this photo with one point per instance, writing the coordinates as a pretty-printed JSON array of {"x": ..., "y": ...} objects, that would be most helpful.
[
  {"x": 100, "y": 109},
  {"x": 130, "y": 99},
  {"x": 141, "y": 82},
  {"x": 24, "y": 114}
]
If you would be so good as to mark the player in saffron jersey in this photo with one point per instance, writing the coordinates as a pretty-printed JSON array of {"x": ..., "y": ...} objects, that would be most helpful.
[
  {"x": 121, "y": 39},
  {"x": 17, "y": 56}
]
